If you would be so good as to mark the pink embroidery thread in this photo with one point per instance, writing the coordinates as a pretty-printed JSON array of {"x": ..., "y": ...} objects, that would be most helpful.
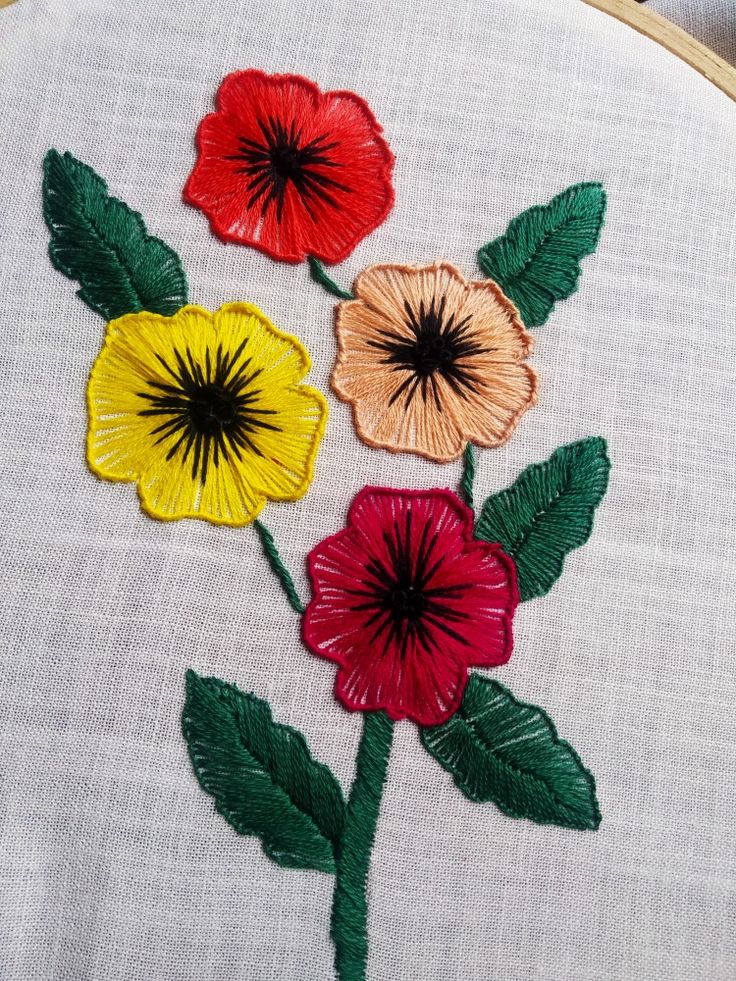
[{"x": 406, "y": 600}]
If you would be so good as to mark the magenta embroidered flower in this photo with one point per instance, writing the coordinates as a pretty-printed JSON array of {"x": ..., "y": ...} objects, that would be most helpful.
[{"x": 405, "y": 600}]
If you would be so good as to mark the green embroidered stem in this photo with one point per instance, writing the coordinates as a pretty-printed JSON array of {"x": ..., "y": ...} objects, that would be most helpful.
[
  {"x": 276, "y": 563},
  {"x": 468, "y": 474},
  {"x": 318, "y": 274},
  {"x": 350, "y": 906}
]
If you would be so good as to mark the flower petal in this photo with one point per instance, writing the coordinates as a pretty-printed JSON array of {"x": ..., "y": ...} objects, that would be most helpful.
[
  {"x": 226, "y": 477},
  {"x": 387, "y": 289},
  {"x": 497, "y": 321},
  {"x": 489, "y": 416},
  {"x": 340, "y": 194},
  {"x": 139, "y": 352},
  {"x": 412, "y": 665},
  {"x": 407, "y": 686}
]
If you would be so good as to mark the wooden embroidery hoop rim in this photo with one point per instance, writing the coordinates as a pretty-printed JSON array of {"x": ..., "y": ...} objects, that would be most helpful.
[{"x": 674, "y": 39}]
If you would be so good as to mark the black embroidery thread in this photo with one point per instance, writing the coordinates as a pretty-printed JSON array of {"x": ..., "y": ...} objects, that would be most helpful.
[
  {"x": 270, "y": 167},
  {"x": 438, "y": 347},
  {"x": 208, "y": 410}
]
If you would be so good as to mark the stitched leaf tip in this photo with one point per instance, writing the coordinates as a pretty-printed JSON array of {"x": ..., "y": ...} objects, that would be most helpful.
[
  {"x": 103, "y": 244},
  {"x": 507, "y": 752},
  {"x": 537, "y": 261},
  {"x": 547, "y": 512},
  {"x": 262, "y": 776}
]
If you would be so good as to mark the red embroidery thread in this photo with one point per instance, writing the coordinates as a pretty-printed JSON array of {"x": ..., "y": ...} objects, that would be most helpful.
[
  {"x": 406, "y": 600},
  {"x": 290, "y": 170}
]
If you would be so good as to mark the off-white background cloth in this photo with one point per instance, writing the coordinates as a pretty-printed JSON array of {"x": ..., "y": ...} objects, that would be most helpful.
[{"x": 112, "y": 861}]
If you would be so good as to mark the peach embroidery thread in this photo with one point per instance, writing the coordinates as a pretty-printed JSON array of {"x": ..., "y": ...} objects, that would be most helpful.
[{"x": 430, "y": 362}]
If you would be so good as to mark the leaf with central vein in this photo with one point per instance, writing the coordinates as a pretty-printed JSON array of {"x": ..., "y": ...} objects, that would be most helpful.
[
  {"x": 101, "y": 242},
  {"x": 547, "y": 512},
  {"x": 507, "y": 752},
  {"x": 537, "y": 261},
  {"x": 262, "y": 775}
]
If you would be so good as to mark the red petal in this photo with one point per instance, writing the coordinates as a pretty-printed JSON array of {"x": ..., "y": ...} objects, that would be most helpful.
[
  {"x": 472, "y": 590},
  {"x": 408, "y": 686},
  {"x": 329, "y": 224}
]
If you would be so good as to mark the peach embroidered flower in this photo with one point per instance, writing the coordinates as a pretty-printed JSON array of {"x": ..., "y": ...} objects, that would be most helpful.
[{"x": 430, "y": 362}]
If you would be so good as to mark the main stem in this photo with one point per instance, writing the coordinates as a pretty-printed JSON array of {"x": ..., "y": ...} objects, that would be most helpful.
[{"x": 350, "y": 905}]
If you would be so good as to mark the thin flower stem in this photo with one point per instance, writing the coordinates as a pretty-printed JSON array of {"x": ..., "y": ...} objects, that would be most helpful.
[
  {"x": 276, "y": 563},
  {"x": 466, "y": 484},
  {"x": 350, "y": 905},
  {"x": 318, "y": 274}
]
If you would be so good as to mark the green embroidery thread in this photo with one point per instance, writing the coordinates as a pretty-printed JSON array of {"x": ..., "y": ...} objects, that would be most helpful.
[
  {"x": 266, "y": 783},
  {"x": 277, "y": 565},
  {"x": 99, "y": 241},
  {"x": 537, "y": 261},
  {"x": 319, "y": 275},
  {"x": 466, "y": 485},
  {"x": 505, "y": 751},
  {"x": 548, "y": 512},
  {"x": 262, "y": 776},
  {"x": 350, "y": 906}
]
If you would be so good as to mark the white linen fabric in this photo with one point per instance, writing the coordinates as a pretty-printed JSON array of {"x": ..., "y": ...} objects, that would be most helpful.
[
  {"x": 712, "y": 22},
  {"x": 113, "y": 863}
]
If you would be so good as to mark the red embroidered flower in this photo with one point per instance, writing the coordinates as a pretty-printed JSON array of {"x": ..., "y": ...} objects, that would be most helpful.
[
  {"x": 405, "y": 600},
  {"x": 290, "y": 170}
]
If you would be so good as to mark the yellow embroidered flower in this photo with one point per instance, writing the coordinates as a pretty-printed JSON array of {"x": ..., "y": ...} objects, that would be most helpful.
[
  {"x": 204, "y": 411},
  {"x": 430, "y": 362}
]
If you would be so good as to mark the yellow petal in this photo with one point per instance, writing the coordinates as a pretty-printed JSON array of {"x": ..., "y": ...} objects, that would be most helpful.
[
  {"x": 225, "y": 480},
  {"x": 137, "y": 347}
]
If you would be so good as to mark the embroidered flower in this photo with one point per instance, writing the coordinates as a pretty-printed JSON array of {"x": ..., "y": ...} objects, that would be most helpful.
[
  {"x": 290, "y": 170},
  {"x": 205, "y": 412},
  {"x": 430, "y": 362},
  {"x": 405, "y": 600}
]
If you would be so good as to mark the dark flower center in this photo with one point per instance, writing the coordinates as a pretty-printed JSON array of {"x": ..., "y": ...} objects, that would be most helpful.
[
  {"x": 285, "y": 161},
  {"x": 282, "y": 159},
  {"x": 407, "y": 602},
  {"x": 400, "y": 596},
  {"x": 433, "y": 352},
  {"x": 441, "y": 346},
  {"x": 210, "y": 409}
]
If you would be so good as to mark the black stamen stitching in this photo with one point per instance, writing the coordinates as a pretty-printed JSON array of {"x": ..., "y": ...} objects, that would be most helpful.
[
  {"x": 270, "y": 167},
  {"x": 438, "y": 348},
  {"x": 397, "y": 591},
  {"x": 210, "y": 408}
]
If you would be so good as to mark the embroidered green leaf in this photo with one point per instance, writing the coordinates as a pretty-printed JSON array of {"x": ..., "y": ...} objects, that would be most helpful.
[
  {"x": 262, "y": 775},
  {"x": 505, "y": 751},
  {"x": 547, "y": 512},
  {"x": 103, "y": 244},
  {"x": 537, "y": 261}
]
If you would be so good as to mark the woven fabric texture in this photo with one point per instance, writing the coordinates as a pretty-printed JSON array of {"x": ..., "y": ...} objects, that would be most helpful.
[{"x": 113, "y": 862}]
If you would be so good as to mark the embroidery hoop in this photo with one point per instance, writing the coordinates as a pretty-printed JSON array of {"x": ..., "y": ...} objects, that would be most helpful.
[{"x": 674, "y": 39}]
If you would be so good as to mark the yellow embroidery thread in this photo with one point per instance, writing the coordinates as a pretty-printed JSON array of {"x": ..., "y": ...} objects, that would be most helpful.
[{"x": 205, "y": 412}]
